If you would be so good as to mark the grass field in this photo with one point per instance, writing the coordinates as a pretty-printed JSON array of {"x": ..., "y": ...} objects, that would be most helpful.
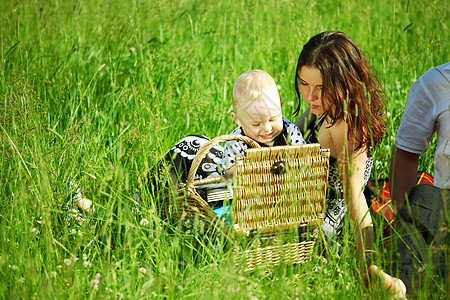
[{"x": 96, "y": 92}]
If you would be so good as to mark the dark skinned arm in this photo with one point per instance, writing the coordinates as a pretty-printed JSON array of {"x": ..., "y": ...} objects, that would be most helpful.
[{"x": 402, "y": 175}]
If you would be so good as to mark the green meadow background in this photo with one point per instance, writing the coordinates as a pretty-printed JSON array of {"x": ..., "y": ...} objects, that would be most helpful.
[{"x": 96, "y": 92}]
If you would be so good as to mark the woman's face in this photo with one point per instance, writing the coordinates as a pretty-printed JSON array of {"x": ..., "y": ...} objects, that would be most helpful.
[{"x": 311, "y": 88}]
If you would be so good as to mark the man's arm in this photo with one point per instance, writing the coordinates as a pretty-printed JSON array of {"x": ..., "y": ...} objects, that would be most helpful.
[{"x": 402, "y": 175}]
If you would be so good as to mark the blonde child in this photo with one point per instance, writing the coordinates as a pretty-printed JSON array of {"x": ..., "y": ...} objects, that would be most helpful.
[{"x": 257, "y": 112}]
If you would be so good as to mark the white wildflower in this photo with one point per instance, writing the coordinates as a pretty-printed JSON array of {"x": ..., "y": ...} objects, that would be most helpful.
[
  {"x": 142, "y": 271},
  {"x": 94, "y": 284},
  {"x": 67, "y": 262},
  {"x": 144, "y": 222},
  {"x": 53, "y": 274},
  {"x": 86, "y": 264}
]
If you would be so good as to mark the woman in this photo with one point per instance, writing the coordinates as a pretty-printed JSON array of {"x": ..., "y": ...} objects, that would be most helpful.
[{"x": 346, "y": 114}]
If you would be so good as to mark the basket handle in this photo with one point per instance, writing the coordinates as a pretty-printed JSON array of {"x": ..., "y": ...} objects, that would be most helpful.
[{"x": 208, "y": 145}]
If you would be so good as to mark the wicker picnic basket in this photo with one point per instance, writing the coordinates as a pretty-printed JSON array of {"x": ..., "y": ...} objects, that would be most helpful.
[
  {"x": 278, "y": 200},
  {"x": 279, "y": 196}
]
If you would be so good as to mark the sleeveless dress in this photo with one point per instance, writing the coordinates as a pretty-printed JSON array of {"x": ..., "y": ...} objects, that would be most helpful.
[{"x": 335, "y": 206}]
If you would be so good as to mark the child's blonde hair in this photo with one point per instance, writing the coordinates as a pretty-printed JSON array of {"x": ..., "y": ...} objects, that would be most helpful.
[{"x": 254, "y": 85}]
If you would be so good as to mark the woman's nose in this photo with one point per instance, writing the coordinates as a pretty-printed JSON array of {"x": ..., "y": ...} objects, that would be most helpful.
[{"x": 311, "y": 95}]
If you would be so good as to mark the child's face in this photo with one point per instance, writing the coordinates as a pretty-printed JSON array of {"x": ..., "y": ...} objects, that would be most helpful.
[
  {"x": 261, "y": 120},
  {"x": 311, "y": 88}
]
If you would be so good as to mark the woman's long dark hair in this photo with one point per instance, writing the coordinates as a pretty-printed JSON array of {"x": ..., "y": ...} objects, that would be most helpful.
[{"x": 348, "y": 83}]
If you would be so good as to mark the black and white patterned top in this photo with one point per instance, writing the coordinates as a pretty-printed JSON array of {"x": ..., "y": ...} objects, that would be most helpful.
[
  {"x": 184, "y": 152},
  {"x": 290, "y": 135}
]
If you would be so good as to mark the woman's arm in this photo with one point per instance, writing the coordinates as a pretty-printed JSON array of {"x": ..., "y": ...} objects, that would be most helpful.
[{"x": 352, "y": 165}]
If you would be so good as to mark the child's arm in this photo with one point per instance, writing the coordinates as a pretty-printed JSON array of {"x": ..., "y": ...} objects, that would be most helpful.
[
  {"x": 232, "y": 150},
  {"x": 229, "y": 172}
]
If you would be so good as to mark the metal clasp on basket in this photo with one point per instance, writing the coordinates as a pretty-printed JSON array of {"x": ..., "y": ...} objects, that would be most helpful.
[{"x": 280, "y": 167}]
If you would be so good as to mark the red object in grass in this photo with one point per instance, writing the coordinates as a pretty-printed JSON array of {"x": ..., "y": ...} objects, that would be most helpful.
[{"x": 382, "y": 204}]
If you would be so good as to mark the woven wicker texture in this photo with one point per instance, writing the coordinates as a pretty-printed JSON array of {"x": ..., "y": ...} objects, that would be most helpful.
[
  {"x": 289, "y": 253},
  {"x": 279, "y": 188},
  {"x": 194, "y": 206}
]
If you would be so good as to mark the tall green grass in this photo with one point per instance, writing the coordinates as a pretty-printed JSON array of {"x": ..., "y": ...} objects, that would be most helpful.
[{"x": 96, "y": 92}]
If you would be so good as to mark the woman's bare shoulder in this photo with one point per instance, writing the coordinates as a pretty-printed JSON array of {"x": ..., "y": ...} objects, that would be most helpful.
[
  {"x": 340, "y": 138},
  {"x": 332, "y": 137},
  {"x": 337, "y": 132},
  {"x": 338, "y": 128}
]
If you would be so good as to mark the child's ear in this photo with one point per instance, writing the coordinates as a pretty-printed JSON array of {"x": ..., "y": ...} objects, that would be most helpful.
[{"x": 233, "y": 116}]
